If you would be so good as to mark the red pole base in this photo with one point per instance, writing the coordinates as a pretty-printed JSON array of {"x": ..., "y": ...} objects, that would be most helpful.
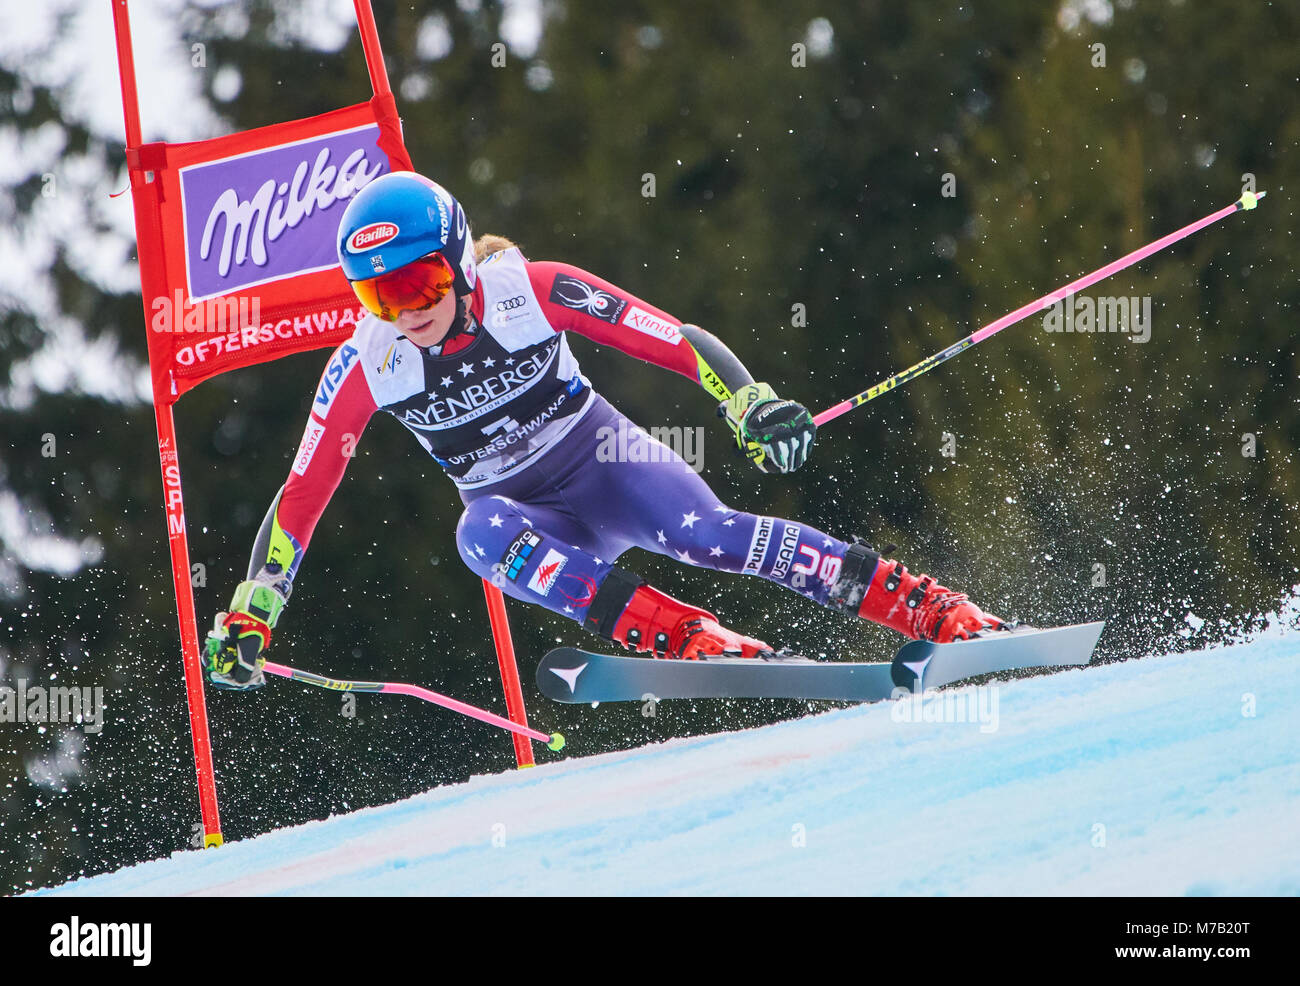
[{"x": 496, "y": 604}]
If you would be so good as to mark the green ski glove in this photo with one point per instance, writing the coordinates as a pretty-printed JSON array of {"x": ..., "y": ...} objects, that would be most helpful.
[
  {"x": 233, "y": 652},
  {"x": 775, "y": 434}
]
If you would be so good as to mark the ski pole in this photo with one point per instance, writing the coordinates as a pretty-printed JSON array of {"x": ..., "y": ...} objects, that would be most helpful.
[
  {"x": 1247, "y": 201},
  {"x": 553, "y": 741}
]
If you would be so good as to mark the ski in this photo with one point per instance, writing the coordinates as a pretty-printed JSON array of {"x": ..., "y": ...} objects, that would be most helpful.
[{"x": 570, "y": 675}]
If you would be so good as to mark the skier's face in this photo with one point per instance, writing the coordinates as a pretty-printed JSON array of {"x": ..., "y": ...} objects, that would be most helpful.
[{"x": 428, "y": 326}]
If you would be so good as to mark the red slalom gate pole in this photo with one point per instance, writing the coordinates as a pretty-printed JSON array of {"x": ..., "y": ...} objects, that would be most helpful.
[
  {"x": 149, "y": 248},
  {"x": 180, "y": 557},
  {"x": 495, "y": 600},
  {"x": 496, "y": 604},
  {"x": 370, "y": 45}
]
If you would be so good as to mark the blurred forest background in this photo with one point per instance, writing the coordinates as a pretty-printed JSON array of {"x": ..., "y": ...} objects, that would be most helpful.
[{"x": 778, "y": 184}]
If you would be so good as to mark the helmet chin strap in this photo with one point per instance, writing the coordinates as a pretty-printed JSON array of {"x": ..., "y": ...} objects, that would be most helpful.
[
  {"x": 460, "y": 323},
  {"x": 464, "y": 320}
]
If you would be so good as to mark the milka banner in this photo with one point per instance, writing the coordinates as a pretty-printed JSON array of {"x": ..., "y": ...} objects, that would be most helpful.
[{"x": 248, "y": 226}]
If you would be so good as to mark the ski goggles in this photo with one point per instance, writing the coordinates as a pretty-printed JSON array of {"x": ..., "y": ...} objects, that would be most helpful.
[{"x": 412, "y": 287}]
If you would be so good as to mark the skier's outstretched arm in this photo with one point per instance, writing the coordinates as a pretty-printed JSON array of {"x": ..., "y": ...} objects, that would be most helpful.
[
  {"x": 775, "y": 434},
  {"x": 233, "y": 653}
]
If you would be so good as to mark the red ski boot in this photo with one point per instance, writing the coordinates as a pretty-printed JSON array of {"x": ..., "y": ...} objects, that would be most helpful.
[
  {"x": 647, "y": 620},
  {"x": 883, "y": 591}
]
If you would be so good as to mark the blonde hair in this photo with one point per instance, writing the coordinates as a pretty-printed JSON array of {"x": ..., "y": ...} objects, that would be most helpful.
[{"x": 488, "y": 244}]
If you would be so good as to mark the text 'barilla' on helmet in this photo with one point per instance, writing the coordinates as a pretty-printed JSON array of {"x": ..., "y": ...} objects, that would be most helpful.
[{"x": 403, "y": 243}]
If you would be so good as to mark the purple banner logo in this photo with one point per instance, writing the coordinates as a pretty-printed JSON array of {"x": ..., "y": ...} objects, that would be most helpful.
[{"x": 274, "y": 213}]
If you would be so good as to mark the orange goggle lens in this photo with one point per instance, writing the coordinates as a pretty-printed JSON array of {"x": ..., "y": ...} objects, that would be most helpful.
[{"x": 420, "y": 284}]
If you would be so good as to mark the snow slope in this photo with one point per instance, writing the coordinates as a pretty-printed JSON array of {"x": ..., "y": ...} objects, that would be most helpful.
[{"x": 1147, "y": 777}]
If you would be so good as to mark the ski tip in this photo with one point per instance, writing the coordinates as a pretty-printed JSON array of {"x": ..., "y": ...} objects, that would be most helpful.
[
  {"x": 1099, "y": 626},
  {"x": 909, "y": 663}
]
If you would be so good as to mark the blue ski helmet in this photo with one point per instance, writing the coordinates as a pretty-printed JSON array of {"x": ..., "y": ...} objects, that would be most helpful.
[{"x": 398, "y": 218}]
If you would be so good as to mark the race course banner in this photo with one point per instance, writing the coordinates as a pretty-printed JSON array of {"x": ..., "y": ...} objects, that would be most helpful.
[{"x": 244, "y": 268}]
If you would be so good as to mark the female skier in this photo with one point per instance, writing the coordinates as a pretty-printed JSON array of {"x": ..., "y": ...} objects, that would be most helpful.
[{"x": 466, "y": 348}]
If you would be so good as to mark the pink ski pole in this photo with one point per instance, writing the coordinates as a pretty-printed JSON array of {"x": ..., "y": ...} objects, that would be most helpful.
[
  {"x": 553, "y": 741},
  {"x": 1248, "y": 200}
]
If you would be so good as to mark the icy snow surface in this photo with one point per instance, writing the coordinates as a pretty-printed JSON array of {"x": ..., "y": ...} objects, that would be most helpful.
[{"x": 1146, "y": 777}]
